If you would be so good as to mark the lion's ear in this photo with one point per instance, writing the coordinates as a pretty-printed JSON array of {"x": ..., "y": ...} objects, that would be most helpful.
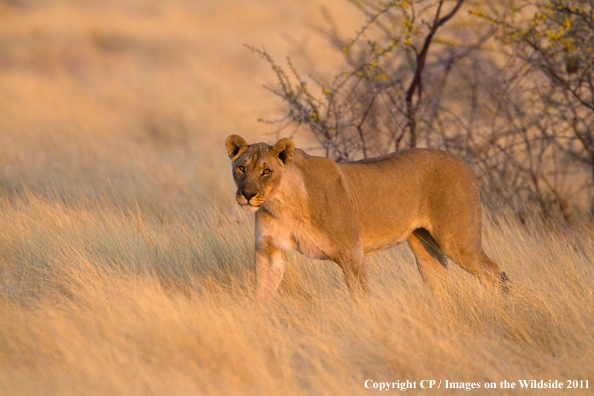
[
  {"x": 236, "y": 146},
  {"x": 283, "y": 149}
]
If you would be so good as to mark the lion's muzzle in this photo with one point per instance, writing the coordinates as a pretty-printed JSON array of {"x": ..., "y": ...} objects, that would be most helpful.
[
  {"x": 249, "y": 199},
  {"x": 248, "y": 194}
]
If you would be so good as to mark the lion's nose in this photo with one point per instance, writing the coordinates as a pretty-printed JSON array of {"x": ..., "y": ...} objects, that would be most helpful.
[{"x": 248, "y": 194}]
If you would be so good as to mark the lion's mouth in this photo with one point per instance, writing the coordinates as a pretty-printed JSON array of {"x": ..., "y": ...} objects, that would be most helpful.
[
  {"x": 250, "y": 208},
  {"x": 253, "y": 204}
]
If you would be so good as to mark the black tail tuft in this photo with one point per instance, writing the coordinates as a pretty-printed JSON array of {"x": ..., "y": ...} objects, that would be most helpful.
[{"x": 504, "y": 281}]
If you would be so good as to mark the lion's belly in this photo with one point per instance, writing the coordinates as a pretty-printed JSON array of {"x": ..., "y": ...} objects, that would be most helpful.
[
  {"x": 374, "y": 245},
  {"x": 389, "y": 233}
]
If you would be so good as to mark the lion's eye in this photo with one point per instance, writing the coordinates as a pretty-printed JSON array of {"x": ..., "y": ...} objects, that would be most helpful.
[
  {"x": 266, "y": 172},
  {"x": 241, "y": 168}
]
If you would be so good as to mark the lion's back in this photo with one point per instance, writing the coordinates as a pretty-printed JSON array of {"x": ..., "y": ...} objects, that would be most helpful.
[
  {"x": 409, "y": 172},
  {"x": 410, "y": 189}
]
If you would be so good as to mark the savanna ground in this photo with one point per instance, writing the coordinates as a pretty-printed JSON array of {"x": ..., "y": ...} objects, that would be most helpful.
[{"x": 127, "y": 268}]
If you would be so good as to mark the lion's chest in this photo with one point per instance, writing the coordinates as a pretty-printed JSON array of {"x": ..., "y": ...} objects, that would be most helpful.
[
  {"x": 296, "y": 233},
  {"x": 310, "y": 242}
]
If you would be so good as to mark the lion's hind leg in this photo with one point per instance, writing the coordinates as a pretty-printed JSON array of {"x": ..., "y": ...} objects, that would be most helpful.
[
  {"x": 431, "y": 260},
  {"x": 495, "y": 277},
  {"x": 469, "y": 255}
]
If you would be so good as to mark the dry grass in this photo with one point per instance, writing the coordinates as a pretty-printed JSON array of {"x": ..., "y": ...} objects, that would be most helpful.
[
  {"x": 126, "y": 268},
  {"x": 99, "y": 298}
]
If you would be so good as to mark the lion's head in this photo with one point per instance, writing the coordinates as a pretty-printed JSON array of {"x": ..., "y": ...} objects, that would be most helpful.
[{"x": 257, "y": 169}]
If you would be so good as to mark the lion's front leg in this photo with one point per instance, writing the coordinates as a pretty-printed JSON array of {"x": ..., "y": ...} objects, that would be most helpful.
[
  {"x": 270, "y": 267},
  {"x": 352, "y": 263}
]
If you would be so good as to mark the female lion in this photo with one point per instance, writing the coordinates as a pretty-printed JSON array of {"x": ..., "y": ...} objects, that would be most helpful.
[{"x": 344, "y": 211}]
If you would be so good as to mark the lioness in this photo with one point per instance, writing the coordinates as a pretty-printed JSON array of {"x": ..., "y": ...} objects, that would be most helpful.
[{"x": 345, "y": 211}]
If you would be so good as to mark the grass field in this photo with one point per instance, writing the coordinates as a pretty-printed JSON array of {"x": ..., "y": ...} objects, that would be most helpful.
[
  {"x": 100, "y": 297},
  {"x": 126, "y": 268}
]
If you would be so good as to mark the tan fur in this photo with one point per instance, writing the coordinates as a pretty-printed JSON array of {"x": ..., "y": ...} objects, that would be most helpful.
[{"x": 343, "y": 212}]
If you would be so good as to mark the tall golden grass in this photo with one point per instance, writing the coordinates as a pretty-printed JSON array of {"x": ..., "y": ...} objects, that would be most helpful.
[
  {"x": 103, "y": 298},
  {"x": 127, "y": 269}
]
